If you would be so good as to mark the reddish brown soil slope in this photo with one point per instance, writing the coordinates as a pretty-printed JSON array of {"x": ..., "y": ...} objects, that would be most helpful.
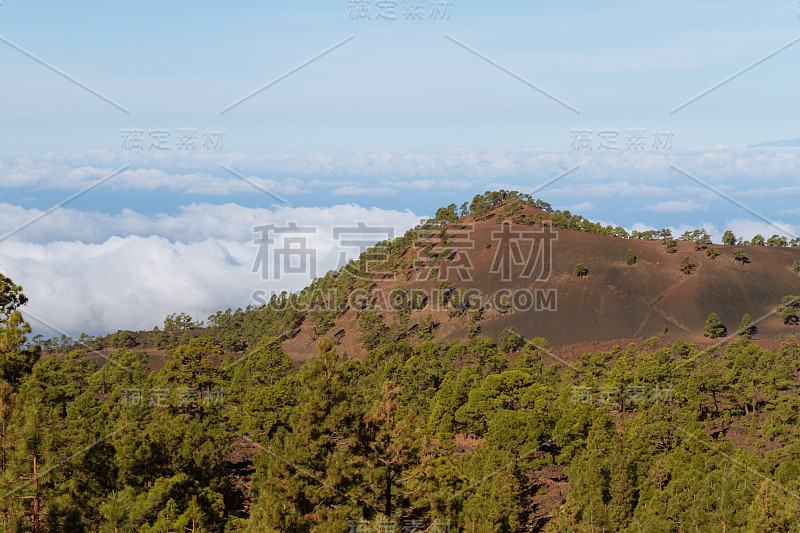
[{"x": 614, "y": 301}]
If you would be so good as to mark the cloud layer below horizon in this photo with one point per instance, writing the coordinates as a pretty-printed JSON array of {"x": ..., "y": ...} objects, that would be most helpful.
[
  {"x": 136, "y": 269},
  {"x": 176, "y": 233}
]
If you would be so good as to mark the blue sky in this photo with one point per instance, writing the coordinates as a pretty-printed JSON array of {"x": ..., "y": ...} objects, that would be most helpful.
[
  {"x": 391, "y": 124},
  {"x": 398, "y": 85}
]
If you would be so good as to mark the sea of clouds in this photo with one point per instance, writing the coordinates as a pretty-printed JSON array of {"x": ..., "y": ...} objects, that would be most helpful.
[{"x": 97, "y": 270}]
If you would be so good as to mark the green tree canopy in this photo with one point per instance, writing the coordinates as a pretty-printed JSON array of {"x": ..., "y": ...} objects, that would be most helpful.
[
  {"x": 714, "y": 327},
  {"x": 729, "y": 238},
  {"x": 16, "y": 355}
]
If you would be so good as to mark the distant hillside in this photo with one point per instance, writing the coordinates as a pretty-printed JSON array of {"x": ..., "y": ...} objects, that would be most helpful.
[
  {"x": 506, "y": 260},
  {"x": 613, "y": 300}
]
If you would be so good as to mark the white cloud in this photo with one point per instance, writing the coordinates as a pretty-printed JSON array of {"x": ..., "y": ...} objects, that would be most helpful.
[
  {"x": 675, "y": 206},
  {"x": 583, "y": 206},
  {"x": 609, "y": 190},
  {"x": 632, "y": 173},
  {"x": 640, "y": 226},
  {"x": 364, "y": 191},
  {"x": 771, "y": 192},
  {"x": 455, "y": 185},
  {"x": 416, "y": 185},
  {"x": 748, "y": 228},
  {"x": 198, "y": 261},
  {"x": 191, "y": 224},
  {"x": 129, "y": 283}
]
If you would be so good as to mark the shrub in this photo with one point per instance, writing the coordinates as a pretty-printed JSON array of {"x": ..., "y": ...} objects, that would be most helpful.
[
  {"x": 788, "y": 310},
  {"x": 651, "y": 342},
  {"x": 686, "y": 265},
  {"x": 122, "y": 339},
  {"x": 714, "y": 327},
  {"x": 510, "y": 340},
  {"x": 504, "y": 305},
  {"x": 747, "y": 329},
  {"x": 427, "y": 327}
]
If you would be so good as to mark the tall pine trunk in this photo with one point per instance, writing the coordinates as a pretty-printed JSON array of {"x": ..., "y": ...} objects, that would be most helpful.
[{"x": 35, "y": 495}]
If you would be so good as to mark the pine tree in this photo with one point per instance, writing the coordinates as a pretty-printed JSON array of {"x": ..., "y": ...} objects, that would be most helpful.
[
  {"x": 601, "y": 485},
  {"x": 373, "y": 330},
  {"x": 392, "y": 452},
  {"x": 729, "y": 238},
  {"x": 504, "y": 305},
  {"x": 116, "y": 512},
  {"x": 620, "y": 376},
  {"x": 629, "y": 257},
  {"x": 771, "y": 510},
  {"x": 714, "y": 327},
  {"x": 305, "y": 479},
  {"x": 739, "y": 255},
  {"x": 6, "y": 409},
  {"x": 28, "y": 476},
  {"x": 707, "y": 497},
  {"x": 510, "y": 340},
  {"x": 6, "y": 453},
  {"x": 686, "y": 265},
  {"x": 491, "y": 499},
  {"x": 746, "y": 328},
  {"x": 16, "y": 359},
  {"x": 192, "y": 375},
  {"x": 788, "y": 309},
  {"x": 262, "y": 366}
]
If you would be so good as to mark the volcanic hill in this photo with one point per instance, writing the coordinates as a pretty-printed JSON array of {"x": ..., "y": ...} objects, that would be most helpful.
[{"x": 516, "y": 262}]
